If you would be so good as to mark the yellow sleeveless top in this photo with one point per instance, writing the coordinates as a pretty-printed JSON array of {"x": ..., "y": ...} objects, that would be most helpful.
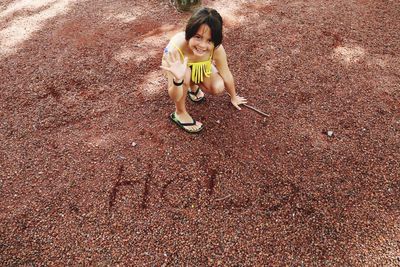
[{"x": 199, "y": 69}]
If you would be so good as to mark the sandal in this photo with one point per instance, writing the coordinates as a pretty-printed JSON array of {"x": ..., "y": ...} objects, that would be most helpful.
[
  {"x": 183, "y": 125},
  {"x": 193, "y": 95}
]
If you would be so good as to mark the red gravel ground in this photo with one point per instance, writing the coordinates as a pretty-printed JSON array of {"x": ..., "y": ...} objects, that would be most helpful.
[{"x": 92, "y": 172}]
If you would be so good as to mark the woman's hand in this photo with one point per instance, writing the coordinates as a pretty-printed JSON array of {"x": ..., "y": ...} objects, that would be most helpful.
[
  {"x": 175, "y": 66},
  {"x": 238, "y": 100}
]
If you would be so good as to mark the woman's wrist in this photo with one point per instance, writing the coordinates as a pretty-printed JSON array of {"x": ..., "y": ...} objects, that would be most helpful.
[{"x": 177, "y": 82}]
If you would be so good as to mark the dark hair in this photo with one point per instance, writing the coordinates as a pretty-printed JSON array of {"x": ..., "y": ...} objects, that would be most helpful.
[{"x": 210, "y": 17}]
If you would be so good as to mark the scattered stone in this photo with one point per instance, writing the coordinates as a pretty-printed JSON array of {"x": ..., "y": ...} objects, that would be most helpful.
[
  {"x": 329, "y": 133},
  {"x": 134, "y": 144}
]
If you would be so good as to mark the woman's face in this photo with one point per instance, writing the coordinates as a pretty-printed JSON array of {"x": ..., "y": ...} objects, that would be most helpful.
[{"x": 201, "y": 43}]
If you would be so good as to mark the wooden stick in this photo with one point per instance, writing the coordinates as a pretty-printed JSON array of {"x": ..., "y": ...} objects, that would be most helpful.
[{"x": 256, "y": 110}]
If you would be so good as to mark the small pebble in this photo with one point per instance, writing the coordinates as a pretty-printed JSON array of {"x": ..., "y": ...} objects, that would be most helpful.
[
  {"x": 330, "y": 133},
  {"x": 133, "y": 144}
]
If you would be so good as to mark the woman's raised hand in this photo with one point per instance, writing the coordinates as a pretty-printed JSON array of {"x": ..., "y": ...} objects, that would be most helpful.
[{"x": 175, "y": 65}]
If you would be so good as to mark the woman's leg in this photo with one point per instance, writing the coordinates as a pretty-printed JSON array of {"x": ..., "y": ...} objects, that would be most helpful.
[{"x": 178, "y": 95}]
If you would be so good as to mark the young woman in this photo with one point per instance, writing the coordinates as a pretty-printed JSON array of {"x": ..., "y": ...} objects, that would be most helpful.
[{"x": 195, "y": 60}]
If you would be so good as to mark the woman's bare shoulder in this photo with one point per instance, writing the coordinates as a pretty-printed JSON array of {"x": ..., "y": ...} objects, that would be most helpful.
[
  {"x": 219, "y": 52},
  {"x": 219, "y": 49}
]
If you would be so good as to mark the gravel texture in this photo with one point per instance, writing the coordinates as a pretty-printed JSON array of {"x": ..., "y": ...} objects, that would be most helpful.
[{"x": 92, "y": 172}]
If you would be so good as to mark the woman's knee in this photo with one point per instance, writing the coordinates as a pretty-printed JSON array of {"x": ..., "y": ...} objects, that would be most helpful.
[{"x": 217, "y": 87}]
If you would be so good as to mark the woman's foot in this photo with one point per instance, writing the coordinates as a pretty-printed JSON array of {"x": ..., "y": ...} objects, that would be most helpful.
[
  {"x": 196, "y": 95},
  {"x": 186, "y": 122}
]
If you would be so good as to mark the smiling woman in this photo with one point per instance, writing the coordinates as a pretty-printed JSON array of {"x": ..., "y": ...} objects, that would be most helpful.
[{"x": 196, "y": 59}]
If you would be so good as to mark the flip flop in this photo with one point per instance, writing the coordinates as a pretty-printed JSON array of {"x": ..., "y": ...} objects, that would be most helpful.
[
  {"x": 193, "y": 95},
  {"x": 183, "y": 125}
]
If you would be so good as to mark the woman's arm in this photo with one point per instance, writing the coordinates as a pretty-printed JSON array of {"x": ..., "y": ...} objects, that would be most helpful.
[
  {"x": 175, "y": 70},
  {"x": 221, "y": 63}
]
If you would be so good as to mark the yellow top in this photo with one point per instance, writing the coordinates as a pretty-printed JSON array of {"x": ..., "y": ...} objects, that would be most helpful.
[{"x": 199, "y": 69}]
